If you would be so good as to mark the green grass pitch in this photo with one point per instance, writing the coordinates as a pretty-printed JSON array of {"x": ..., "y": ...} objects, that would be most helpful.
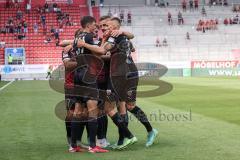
[{"x": 207, "y": 126}]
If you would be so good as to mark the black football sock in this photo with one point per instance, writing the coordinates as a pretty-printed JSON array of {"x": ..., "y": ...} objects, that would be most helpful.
[
  {"x": 76, "y": 130},
  {"x": 105, "y": 126},
  {"x": 141, "y": 116},
  {"x": 116, "y": 118},
  {"x": 68, "y": 129},
  {"x": 100, "y": 127},
  {"x": 87, "y": 128},
  {"x": 124, "y": 118},
  {"x": 81, "y": 129},
  {"x": 93, "y": 126}
]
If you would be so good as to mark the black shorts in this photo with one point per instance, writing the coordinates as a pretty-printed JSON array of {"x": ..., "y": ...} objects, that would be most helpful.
[
  {"x": 123, "y": 88},
  {"x": 85, "y": 87},
  {"x": 70, "y": 102},
  {"x": 102, "y": 87}
]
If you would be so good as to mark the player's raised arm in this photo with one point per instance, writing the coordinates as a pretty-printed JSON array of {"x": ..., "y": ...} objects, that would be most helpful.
[
  {"x": 96, "y": 49},
  {"x": 116, "y": 33},
  {"x": 67, "y": 61},
  {"x": 65, "y": 43}
]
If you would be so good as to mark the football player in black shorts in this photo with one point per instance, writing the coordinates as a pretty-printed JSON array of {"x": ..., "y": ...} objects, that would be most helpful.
[
  {"x": 69, "y": 61},
  {"x": 121, "y": 65},
  {"x": 129, "y": 138},
  {"x": 103, "y": 78},
  {"x": 85, "y": 84},
  {"x": 113, "y": 97}
]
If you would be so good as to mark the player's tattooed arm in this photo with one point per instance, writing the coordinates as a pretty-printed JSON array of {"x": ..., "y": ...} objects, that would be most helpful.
[
  {"x": 70, "y": 65},
  {"x": 65, "y": 43},
  {"x": 67, "y": 48},
  {"x": 96, "y": 49},
  {"x": 106, "y": 56},
  {"x": 116, "y": 33},
  {"x": 68, "y": 62}
]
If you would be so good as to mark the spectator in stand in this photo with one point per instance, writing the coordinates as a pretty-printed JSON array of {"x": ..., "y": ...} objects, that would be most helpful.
[
  {"x": 196, "y": 4},
  {"x": 158, "y": 44},
  {"x": 187, "y": 36},
  {"x": 3, "y": 30},
  {"x": 236, "y": 19},
  {"x": 46, "y": 9},
  {"x": 129, "y": 18},
  {"x": 170, "y": 21},
  {"x": 156, "y": 3},
  {"x": 35, "y": 27},
  {"x": 55, "y": 7},
  {"x": 43, "y": 19},
  {"x": 180, "y": 18},
  {"x": 203, "y": 29},
  {"x": 56, "y": 34},
  {"x": 184, "y": 5},
  {"x": 191, "y": 5},
  {"x": 69, "y": 21},
  {"x": 52, "y": 30},
  {"x": 19, "y": 14},
  {"x": 226, "y": 22},
  {"x": 19, "y": 28},
  {"x": 122, "y": 16},
  {"x": 28, "y": 8},
  {"x": 11, "y": 27},
  {"x": 204, "y": 13},
  {"x": 165, "y": 42},
  {"x": 2, "y": 43},
  {"x": 25, "y": 29}
]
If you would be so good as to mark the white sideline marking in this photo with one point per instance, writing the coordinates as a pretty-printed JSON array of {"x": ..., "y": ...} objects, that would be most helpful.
[{"x": 2, "y": 88}]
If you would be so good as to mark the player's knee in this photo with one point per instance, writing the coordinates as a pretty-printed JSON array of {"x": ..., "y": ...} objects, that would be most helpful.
[
  {"x": 69, "y": 115},
  {"x": 130, "y": 105},
  {"x": 122, "y": 107}
]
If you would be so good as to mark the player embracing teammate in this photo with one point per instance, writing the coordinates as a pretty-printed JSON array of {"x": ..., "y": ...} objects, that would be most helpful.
[{"x": 105, "y": 76}]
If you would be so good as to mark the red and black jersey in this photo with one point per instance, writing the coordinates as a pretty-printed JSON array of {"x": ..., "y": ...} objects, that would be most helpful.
[
  {"x": 69, "y": 75},
  {"x": 121, "y": 59},
  {"x": 85, "y": 56}
]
